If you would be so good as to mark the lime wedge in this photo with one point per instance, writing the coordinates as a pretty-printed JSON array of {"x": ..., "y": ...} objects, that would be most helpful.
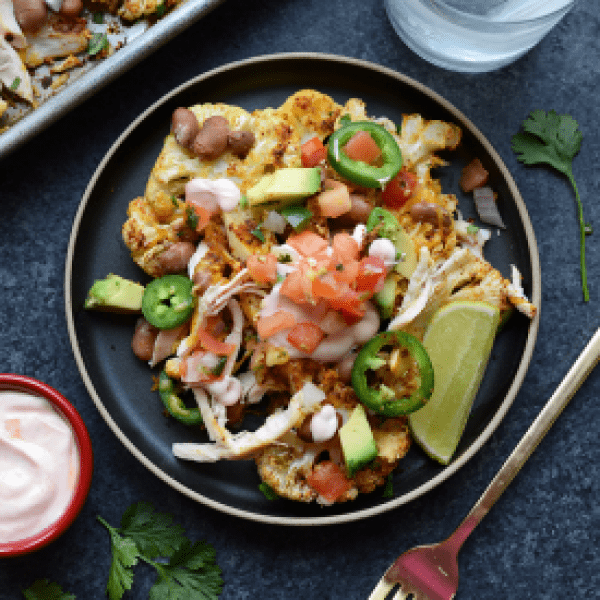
[{"x": 459, "y": 341}]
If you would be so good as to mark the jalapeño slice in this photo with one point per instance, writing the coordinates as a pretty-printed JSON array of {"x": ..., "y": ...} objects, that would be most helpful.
[
  {"x": 364, "y": 174},
  {"x": 382, "y": 398},
  {"x": 174, "y": 404},
  {"x": 168, "y": 301}
]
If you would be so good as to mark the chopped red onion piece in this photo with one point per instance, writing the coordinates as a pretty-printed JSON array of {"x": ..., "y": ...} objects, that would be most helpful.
[{"x": 486, "y": 206}]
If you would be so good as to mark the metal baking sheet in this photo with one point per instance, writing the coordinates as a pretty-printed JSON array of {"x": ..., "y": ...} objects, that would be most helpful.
[{"x": 81, "y": 87}]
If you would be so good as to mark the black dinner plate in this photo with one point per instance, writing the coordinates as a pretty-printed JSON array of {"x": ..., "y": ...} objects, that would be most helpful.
[{"x": 120, "y": 384}]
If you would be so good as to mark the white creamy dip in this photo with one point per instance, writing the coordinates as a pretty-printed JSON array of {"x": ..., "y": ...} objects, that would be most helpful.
[{"x": 38, "y": 465}]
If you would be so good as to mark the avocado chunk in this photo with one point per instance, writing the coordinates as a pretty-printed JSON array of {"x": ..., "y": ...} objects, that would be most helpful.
[
  {"x": 358, "y": 443},
  {"x": 386, "y": 297},
  {"x": 285, "y": 186},
  {"x": 389, "y": 227},
  {"x": 407, "y": 257},
  {"x": 115, "y": 294}
]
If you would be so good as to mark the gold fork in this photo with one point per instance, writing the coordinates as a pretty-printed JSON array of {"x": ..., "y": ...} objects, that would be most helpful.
[{"x": 431, "y": 572}]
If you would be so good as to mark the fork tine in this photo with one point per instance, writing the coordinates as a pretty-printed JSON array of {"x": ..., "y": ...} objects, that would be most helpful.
[
  {"x": 400, "y": 595},
  {"x": 384, "y": 587}
]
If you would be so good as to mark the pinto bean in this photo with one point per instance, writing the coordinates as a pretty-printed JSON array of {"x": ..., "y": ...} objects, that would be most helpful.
[
  {"x": 176, "y": 257},
  {"x": 428, "y": 212},
  {"x": 240, "y": 142},
  {"x": 360, "y": 208},
  {"x": 30, "y": 14},
  {"x": 143, "y": 339},
  {"x": 359, "y": 212},
  {"x": 202, "y": 279},
  {"x": 211, "y": 141},
  {"x": 71, "y": 8},
  {"x": 304, "y": 432},
  {"x": 235, "y": 413},
  {"x": 184, "y": 126}
]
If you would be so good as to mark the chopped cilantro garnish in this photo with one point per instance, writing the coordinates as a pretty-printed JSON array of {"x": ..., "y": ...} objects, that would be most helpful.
[
  {"x": 388, "y": 490},
  {"x": 14, "y": 86},
  {"x": 258, "y": 234},
  {"x": 191, "y": 218},
  {"x": 218, "y": 368},
  {"x": 98, "y": 42}
]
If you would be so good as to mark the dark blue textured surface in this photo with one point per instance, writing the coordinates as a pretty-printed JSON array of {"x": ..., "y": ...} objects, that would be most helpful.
[{"x": 541, "y": 539}]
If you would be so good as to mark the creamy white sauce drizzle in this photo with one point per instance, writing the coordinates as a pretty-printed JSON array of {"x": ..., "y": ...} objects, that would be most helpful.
[
  {"x": 385, "y": 250},
  {"x": 38, "y": 465},
  {"x": 213, "y": 194},
  {"x": 324, "y": 424}
]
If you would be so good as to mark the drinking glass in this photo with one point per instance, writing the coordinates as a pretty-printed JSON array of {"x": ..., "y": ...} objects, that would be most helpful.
[{"x": 474, "y": 35}]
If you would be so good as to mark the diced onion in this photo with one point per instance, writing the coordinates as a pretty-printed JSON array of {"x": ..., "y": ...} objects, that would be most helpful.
[
  {"x": 274, "y": 222},
  {"x": 486, "y": 206},
  {"x": 311, "y": 394}
]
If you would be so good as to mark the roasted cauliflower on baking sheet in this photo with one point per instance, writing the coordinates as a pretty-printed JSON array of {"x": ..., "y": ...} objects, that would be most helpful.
[
  {"x": 299, "y": 234},
  {"x": 46, "y": 45}
]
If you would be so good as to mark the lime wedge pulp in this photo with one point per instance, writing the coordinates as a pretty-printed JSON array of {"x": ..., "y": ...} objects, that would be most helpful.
[{"x": 459, "y": 341}]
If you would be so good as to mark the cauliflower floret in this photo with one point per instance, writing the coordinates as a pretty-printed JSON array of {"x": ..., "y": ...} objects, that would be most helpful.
[{"x": 463, "y": 276}]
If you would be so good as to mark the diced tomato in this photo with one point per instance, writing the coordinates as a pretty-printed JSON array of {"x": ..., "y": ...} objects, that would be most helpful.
[
  {"x": 371, "y": 276},
  {"x": 325, "y": 287},
  {"x": 307, "y": 243},
  {"x": 400, "y": 189},
  {"x": 328, "y": 480},
  {"x": 212, "y": 344},
  {"x": 361, "y": 146},
  {"x": 272, "y": 324},
  {"x": 262, "y": 267},
  {"x": 313, "y": 152},
  {"x": 345, "y": 247},
  {"x": 297, "y": 287},
  {"x": 335, "y": 200},
  {"x": 349, "y": 303},
  {"x": 305, "y": 336}
]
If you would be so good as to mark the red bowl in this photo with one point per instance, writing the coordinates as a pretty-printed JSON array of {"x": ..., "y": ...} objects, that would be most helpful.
[{"x": 9, "y": 381}]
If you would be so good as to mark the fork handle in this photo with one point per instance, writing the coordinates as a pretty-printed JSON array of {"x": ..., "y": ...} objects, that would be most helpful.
[{"x": 582, "y": 367}]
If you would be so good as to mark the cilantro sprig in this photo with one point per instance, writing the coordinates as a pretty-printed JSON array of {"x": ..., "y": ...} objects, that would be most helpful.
[
  {"x": 144, "y": 535},
  {"x": 553, "y": 139},
  {"x": 185, "y": 570}
]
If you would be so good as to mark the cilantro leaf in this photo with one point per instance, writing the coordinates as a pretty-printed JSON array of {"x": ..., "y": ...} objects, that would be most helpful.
[
  {"x": 42, "y": 589},
  {"x": 153, "y": 533},
  {"x": 191, "y": 574},
  {"x": 125, "y": 555},
  {"x": 553, "y": 139}
]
